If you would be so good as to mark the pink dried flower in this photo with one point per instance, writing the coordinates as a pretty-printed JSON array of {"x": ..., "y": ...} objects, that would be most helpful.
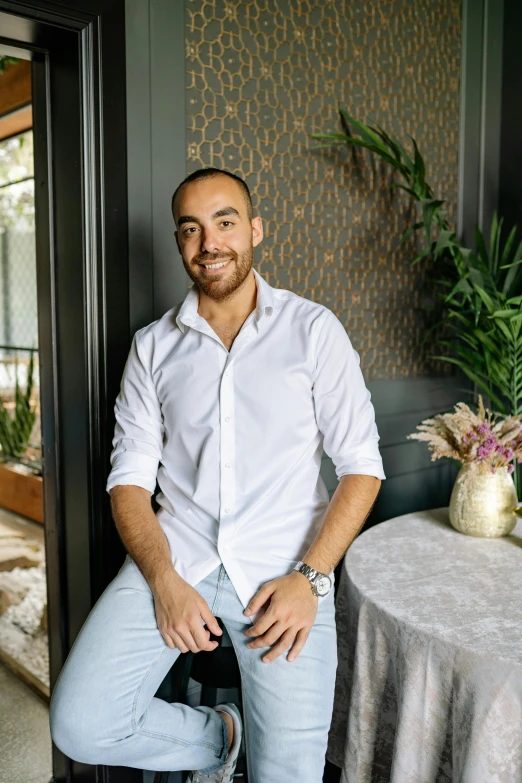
[
  {"x": 487, "y": 447},
  {"x": 470, "y": 437}
]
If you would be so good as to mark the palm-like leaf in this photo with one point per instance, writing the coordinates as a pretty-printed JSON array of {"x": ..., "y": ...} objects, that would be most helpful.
[{"x": 485, "y": 297}]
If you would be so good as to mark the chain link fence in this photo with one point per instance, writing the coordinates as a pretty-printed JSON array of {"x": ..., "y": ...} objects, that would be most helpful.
[
  {"x": 18, "y": 293},
  {"x": 18, "y": 324}
]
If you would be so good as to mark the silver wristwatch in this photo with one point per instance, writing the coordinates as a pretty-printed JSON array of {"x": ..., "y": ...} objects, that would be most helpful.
[{"x": 321, "y": 583}]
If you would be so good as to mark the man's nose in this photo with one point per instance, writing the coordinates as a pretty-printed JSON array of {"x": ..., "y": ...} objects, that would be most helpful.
[{"x": 210, "y": 241}]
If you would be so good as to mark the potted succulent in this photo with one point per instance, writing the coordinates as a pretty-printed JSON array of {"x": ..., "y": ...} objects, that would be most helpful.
[
  {"x": 481, "y": 288},
  {"x": 20, "y": 483}
]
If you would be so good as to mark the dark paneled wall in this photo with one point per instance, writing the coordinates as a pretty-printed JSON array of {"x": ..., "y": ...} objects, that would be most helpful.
[{"x": 155, "y": 62}]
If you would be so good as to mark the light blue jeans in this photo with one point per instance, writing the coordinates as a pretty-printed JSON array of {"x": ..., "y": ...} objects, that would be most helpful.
[{"x": 104, "y": 710}]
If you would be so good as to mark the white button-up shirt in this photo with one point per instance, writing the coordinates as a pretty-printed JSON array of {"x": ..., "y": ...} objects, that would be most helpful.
[{"x": 235, "y": 438}]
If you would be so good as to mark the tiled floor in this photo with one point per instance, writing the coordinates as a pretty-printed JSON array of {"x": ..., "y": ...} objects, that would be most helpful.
[{"x": 25, "y": 740}]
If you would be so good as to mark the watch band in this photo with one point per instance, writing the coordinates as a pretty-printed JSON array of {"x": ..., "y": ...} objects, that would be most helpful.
[
  {"x": 307, "y": 570},
  {"x": 312, "y": 575}
]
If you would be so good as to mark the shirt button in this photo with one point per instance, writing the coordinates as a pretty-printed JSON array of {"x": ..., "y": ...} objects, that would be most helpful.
[
  {"x": 227, "y": 418},
  {"x": 227, "y": 464},
  {"x": 227, "y": 511}
]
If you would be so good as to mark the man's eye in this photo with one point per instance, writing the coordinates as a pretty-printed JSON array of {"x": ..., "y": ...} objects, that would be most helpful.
[
  {"x": 227, "y": 221},
  {"x": 189, "y": 229}
]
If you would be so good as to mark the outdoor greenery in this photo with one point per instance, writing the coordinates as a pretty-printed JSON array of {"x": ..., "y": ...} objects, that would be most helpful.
[
  {"x": 6, "y": 61},
  {"x": 16, "y": 172},
  {"x": 482, "y": 287},
  {"x": 17, "y": 221},
  {"x": 17, "y": 183},
  {"x": 16, "y": 428}
]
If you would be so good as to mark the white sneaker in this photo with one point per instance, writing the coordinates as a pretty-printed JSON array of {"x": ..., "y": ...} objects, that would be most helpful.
[{"x": 225, "y": 773}]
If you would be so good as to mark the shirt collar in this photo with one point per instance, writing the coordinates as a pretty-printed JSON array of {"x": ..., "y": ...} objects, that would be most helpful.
[{"x": 188, "y": 311}]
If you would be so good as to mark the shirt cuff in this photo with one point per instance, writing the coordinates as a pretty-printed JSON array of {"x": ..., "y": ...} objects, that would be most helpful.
[
  {"x": 132, "y": 467},
  {"x": 363, "y": 470},
  {"x": 364, "y": 459}
]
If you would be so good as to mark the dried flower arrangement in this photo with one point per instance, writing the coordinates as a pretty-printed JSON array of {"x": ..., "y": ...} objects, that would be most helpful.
[{"x": 475, "y": 438}]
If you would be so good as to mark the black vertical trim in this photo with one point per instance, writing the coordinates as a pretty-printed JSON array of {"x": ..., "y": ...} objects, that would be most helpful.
[
  {"x": 510, "y": 198},
  {"x": 490, "y": 113},
  {"x": 470, "y": 113},
  {"x": 57, "y": 604},
  {"x": 480, "y": 128}
]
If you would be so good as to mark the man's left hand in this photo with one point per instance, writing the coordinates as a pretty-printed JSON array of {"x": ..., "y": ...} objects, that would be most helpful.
[{"x": 289, "y": 617}]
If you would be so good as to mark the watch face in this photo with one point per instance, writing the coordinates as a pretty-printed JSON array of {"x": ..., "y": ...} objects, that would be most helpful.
[{"x": 323, "y": 585}]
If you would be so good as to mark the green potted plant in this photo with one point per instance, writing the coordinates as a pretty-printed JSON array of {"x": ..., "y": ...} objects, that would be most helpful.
[
  {"x": 20, "y": 483},
  {"x": 481, "y": 287}
]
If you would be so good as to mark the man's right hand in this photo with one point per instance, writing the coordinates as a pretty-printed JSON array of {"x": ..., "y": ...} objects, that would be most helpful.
[{"x": 180, "y": 610}]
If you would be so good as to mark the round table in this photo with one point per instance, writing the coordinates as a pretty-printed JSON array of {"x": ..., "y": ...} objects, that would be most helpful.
[{"x": 429, "y": 678}]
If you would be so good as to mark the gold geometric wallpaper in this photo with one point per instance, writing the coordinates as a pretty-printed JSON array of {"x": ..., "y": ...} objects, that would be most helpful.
[{"x": 260, "y": 75}]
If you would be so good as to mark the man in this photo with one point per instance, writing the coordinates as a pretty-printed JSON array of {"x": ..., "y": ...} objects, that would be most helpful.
[{"x": 228, "y": 401}]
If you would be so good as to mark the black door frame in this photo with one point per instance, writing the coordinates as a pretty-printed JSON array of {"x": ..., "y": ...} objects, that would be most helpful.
[{"x": 79, "y": 113}]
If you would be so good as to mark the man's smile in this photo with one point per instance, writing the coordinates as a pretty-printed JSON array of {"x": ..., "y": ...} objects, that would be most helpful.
[{"x": 215, "y": 266}]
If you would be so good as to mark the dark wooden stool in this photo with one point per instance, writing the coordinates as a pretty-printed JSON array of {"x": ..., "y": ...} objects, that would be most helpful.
[{"x": 216, "y": 669}]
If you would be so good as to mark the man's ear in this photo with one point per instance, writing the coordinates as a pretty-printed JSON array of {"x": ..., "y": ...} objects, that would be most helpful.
[
  {"x": 177, "y": 241},
  {"x": 257, "y": 231}
]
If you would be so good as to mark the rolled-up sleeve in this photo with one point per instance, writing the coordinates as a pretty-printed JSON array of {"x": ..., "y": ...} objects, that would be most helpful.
[
  {"x": 138, "y": 433},
  {"x": 343, "y": 408}
]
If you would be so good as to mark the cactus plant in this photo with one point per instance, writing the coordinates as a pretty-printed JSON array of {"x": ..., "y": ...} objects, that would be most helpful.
[{"x": 15, "y": 429}]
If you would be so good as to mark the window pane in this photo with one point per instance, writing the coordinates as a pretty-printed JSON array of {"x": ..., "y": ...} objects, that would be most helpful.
[{"x": 16, "y": 158}]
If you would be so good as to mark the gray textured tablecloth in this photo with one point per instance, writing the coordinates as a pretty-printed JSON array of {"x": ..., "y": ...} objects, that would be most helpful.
[{"x": 429, "y": 680}]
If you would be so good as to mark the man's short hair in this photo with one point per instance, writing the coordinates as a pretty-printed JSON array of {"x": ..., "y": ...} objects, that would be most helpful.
[{"x": 213, "y": 172}]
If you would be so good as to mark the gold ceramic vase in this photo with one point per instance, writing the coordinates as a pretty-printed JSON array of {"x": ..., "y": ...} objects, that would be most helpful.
[{"x": 482, "y": 504}]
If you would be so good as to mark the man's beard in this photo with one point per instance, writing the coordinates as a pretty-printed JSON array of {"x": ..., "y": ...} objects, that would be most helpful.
[{"x": 219, "y": 288}]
